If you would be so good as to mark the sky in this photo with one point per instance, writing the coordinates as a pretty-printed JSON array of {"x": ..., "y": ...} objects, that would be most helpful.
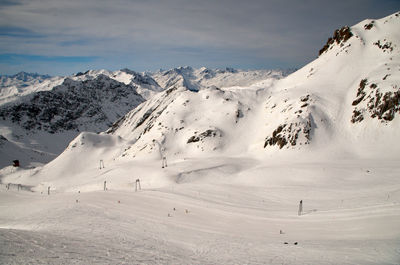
[{"x": 60, "y": 37}]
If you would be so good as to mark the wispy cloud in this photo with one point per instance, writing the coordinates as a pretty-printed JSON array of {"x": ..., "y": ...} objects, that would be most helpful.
[
  {"x": 133, "y": 32},
  {"x": 18, "y": 58},
  {"x": 10, "y": 31}
]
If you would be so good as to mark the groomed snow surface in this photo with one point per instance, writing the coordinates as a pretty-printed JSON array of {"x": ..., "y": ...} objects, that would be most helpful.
[
  {"x": 223, "y": 210},
  {"x": 229, "y": 195}
]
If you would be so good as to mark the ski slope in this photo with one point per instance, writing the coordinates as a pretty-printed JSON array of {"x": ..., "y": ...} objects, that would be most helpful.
[
  {"x": 240, "y": 159},
  {"x": 236, "y": 208}
]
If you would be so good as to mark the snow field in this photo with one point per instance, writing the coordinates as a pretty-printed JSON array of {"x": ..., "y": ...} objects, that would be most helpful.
[
  {"x": 228, "y": 196},
  {"x": 236, "y": 208}
]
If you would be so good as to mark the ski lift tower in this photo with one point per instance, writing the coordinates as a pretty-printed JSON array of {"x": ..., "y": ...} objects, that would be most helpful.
[{"x": 162, "y": 153}]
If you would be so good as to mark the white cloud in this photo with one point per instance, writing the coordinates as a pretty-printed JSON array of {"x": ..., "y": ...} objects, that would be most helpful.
[{"x": 259, "y": 28}]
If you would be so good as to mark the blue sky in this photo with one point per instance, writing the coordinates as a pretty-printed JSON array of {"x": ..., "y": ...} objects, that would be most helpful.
[{"x": 61, "y": 37}]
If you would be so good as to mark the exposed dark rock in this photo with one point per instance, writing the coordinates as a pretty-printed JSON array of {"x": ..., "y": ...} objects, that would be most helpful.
[
  {"x": 72, "y": 105},
  {"x": 388, "y": 105},
  {"x": 387, "y": 46},
  {"x": 305, "y": 98},
  {"x": 206, "y": 134},
  {"x": 360, "y": 92},
  {"x": 288, "y": 134},
  {"x": 169, "y": 91},
  {"x": 382, "y": 106},
  {"x": 369, "y": 25},
  {"x": 144, "y": 117},
  {"x": 193, "y": 139},
  {"x": 80, "y": 73},
  {"x": 357, "y": 116},
  {"x": 340, "y": 36},
  {"x": 239, "y": 114},
  {"x": 276, "y": 138}
]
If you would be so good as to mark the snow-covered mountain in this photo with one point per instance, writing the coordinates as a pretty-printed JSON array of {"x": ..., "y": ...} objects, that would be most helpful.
[
  {"x": 87, "y": 105},
  {"x": 14, "y": 86},
  {"x": 144, "y": 84},
  {"x": 22, "y": 79},
  {"x": 300, "y": 170},
  {"x": 41, "y": 123},
  {"x": 195, "y": 79},
  {"x": 41, "y": 114},
  {"x": 348, "y": 99}
]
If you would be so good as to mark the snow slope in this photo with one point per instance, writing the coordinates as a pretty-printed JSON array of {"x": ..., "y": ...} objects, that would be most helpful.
[
  {"x": 342, "y": 110},
  {"x": 239, "y": 161},
  {"x": 218, "y": 210},
  {"x": 195, "y": 79},
  {"x": 15, "y": 86},
  {"x": 43, "y": 123},
  {"x": 325, "y": 104},
  {"x": 41, "y": 115}
]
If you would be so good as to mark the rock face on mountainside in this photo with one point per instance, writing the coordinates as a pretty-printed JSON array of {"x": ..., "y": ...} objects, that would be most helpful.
[
  {"x": 297, "y": 126},
  {"x": 340, "y": 37},
  {"x": 354, "y": 82},
  {"x": 348, "y": 98},
  {"x": 180, "y": 121},
  {"x": 338, "y": 97},
  {"x": 377, "y": 96},
  {"x": 383, "y": 106},
  {"x": 40, "y": 115},
  {"x": 74, "y": 105}
]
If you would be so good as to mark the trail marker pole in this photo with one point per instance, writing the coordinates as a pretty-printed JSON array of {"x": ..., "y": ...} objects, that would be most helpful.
[
  {"x": 300, "y": 207},
  {"x": 101, "y": 164},
  {"x": 164, "y": 162},
  {"x": 48, "y": 190},
  {"x": 105, "y": 185},
  {"x": 138, "y": 185}
]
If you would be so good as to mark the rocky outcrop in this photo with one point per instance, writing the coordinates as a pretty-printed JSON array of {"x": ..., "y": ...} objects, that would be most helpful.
[
  {"x": 206, "y": 134},
  {"x": 377, "y": 104},
  {"x": 290, "y": 134},
  {"x": 340, "y": 36},
  {"x": 75, "y": 105}
]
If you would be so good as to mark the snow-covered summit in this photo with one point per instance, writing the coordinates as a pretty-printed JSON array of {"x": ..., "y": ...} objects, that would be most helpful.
[
  {"x": 347, "y": 99},
  {"x": 73, "y": 105},
  {"x": 196, "y": 79},
  {"x": 22, "y": 77},
  {"x": 58, "y": 108},
  {"x": 301, "y": 170},
  {"x": 349, "y": 96},
  {"x": 20, "y": 84},
  {"x": 36, "y": 120}
]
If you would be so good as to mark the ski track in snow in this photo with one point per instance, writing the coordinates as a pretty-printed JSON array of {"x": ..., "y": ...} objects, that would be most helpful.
[
  {"x": 239, "y": 162},
  {"x": 225, "y": 223}
]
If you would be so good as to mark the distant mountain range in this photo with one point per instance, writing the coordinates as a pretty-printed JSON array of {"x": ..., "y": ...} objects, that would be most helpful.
[
  {"x": 38, "y": 110},
  {"x": 345, "y": 101}
]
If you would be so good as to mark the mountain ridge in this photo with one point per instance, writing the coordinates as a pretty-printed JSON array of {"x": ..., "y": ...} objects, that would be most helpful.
[
  {"x": 88, "y": 101},
  {"x": 320, "y": 104}
]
